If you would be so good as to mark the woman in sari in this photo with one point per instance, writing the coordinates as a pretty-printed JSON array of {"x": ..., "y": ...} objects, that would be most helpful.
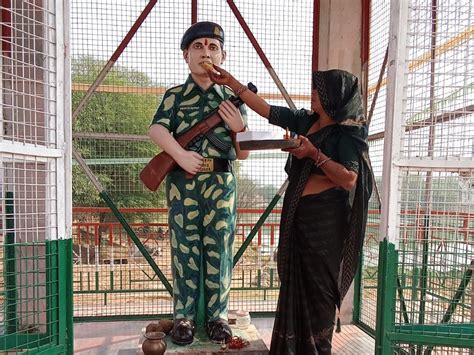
[{"x": 322, "y": 224}]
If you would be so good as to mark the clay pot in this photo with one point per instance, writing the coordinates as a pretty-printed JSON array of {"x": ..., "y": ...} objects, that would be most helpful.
[
  {"x": 166, "y": 325},
  {"x": 154, "y": 343},
  {"x": 163, "y": 325},
  {"x": 153, "y": 327}
]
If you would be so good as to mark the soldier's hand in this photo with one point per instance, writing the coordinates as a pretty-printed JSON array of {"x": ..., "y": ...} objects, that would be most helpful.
[
  {"x": 191, "y": 162},
  {"x": 231, "y": 116}
]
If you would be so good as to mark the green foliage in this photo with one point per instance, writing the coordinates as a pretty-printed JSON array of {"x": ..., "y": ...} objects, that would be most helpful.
[
  {"x": 116, "y": 163},
  {"x": 82, "y": 189},
  {"x": 86, "y": 68},
  {"x": 113, "y": 112}
]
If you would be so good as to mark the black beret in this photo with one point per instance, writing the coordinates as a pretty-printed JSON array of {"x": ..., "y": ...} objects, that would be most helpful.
[{"x": 200, "y": 30}]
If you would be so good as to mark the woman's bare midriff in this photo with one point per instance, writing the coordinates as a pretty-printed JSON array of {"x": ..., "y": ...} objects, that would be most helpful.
[{"x": 316, "y": 184}]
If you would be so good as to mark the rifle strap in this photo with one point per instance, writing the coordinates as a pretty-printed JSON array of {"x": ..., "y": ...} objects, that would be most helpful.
[{"x": 217, "y": 142}]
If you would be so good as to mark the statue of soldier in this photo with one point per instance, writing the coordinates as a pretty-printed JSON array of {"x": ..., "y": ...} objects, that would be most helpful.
[{"x": 201, "y": 192}]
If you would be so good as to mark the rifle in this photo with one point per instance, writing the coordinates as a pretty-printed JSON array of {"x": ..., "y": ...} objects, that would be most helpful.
[{"x": 161, "y": 164}]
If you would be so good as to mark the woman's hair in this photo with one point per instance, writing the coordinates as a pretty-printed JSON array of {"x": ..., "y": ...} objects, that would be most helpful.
[{"x": 339, "y": 94}]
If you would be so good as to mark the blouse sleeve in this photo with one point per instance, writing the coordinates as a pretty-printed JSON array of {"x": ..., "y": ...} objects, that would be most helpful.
[
  {"x": 165, "y": 113},
  {"x": 298, "y": 121},
  {"x": 348, "y": 154}
]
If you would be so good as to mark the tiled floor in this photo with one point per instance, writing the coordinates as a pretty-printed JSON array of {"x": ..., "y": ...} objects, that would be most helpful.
[{"x": 123, "y": 337}]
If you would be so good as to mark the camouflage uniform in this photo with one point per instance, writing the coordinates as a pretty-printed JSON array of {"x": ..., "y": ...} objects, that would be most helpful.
[{"x": 202, "y": 208}]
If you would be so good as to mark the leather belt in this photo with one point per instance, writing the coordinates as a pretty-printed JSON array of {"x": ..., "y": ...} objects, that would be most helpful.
[{"x": 214, "y": 165}]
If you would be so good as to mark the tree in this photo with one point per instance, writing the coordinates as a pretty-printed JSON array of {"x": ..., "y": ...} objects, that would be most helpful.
[{"x": 116, "y": 163}]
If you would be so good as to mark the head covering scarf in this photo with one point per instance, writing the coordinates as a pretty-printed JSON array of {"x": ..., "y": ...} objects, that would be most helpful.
[{"x": 339, "y": 94}]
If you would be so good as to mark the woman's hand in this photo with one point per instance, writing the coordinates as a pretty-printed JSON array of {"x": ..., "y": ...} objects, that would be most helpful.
[
  {"x": 231, "y": 116},
  {"x": 305, "y": 150},
  {"x": 221, "y": 76}
]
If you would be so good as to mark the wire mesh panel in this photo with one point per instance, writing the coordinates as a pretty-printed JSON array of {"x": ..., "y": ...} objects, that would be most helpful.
[
  {"x": 110, "y": 133},
  {"x": 376, "y": 100},
  {"x": 433, "y": 278},
  {"x": 25, "y": 225},
  {"x": 31, "y": 158},
  {"x": 436, "y": 257},
  {"x": 111, "y": 275}
]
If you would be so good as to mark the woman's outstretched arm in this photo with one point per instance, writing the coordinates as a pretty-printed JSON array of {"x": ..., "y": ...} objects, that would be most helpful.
[{"x": 252, "y": 100}]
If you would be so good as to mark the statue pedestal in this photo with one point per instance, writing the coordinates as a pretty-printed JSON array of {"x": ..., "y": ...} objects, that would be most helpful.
[{"x": 202, "y": 345}]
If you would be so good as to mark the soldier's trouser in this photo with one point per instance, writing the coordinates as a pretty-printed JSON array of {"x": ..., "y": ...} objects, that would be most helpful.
[{"x": 202, "y": 212}]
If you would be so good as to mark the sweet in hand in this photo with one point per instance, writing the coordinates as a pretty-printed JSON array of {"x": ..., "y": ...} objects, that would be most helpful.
[
  {"x": 209, "y": 67},
  {"x": 220, "y": 76}
]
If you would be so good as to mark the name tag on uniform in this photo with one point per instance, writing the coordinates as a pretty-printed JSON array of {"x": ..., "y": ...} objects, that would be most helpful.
[{"x": 189, "y": 108}]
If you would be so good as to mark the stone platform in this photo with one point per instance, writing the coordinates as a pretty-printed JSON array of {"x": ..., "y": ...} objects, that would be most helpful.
[
  {"x": 122, "y": 338},
  {"x": 203, "y": 346}
]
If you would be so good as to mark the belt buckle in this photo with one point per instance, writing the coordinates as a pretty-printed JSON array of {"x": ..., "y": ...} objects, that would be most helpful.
[{"x": 207, "y": 165}]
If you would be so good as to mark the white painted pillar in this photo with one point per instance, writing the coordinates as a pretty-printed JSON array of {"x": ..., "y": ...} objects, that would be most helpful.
[{"x": 340, "y": 35}]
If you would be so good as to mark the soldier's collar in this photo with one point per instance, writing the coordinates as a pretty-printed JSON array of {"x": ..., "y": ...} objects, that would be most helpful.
[
  {"x": 189, "y": 81},
  {"x": 219, "y": 90}
]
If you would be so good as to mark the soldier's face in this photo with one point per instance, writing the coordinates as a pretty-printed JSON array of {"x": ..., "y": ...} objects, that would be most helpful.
[{"x": 203, "y": 50}]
